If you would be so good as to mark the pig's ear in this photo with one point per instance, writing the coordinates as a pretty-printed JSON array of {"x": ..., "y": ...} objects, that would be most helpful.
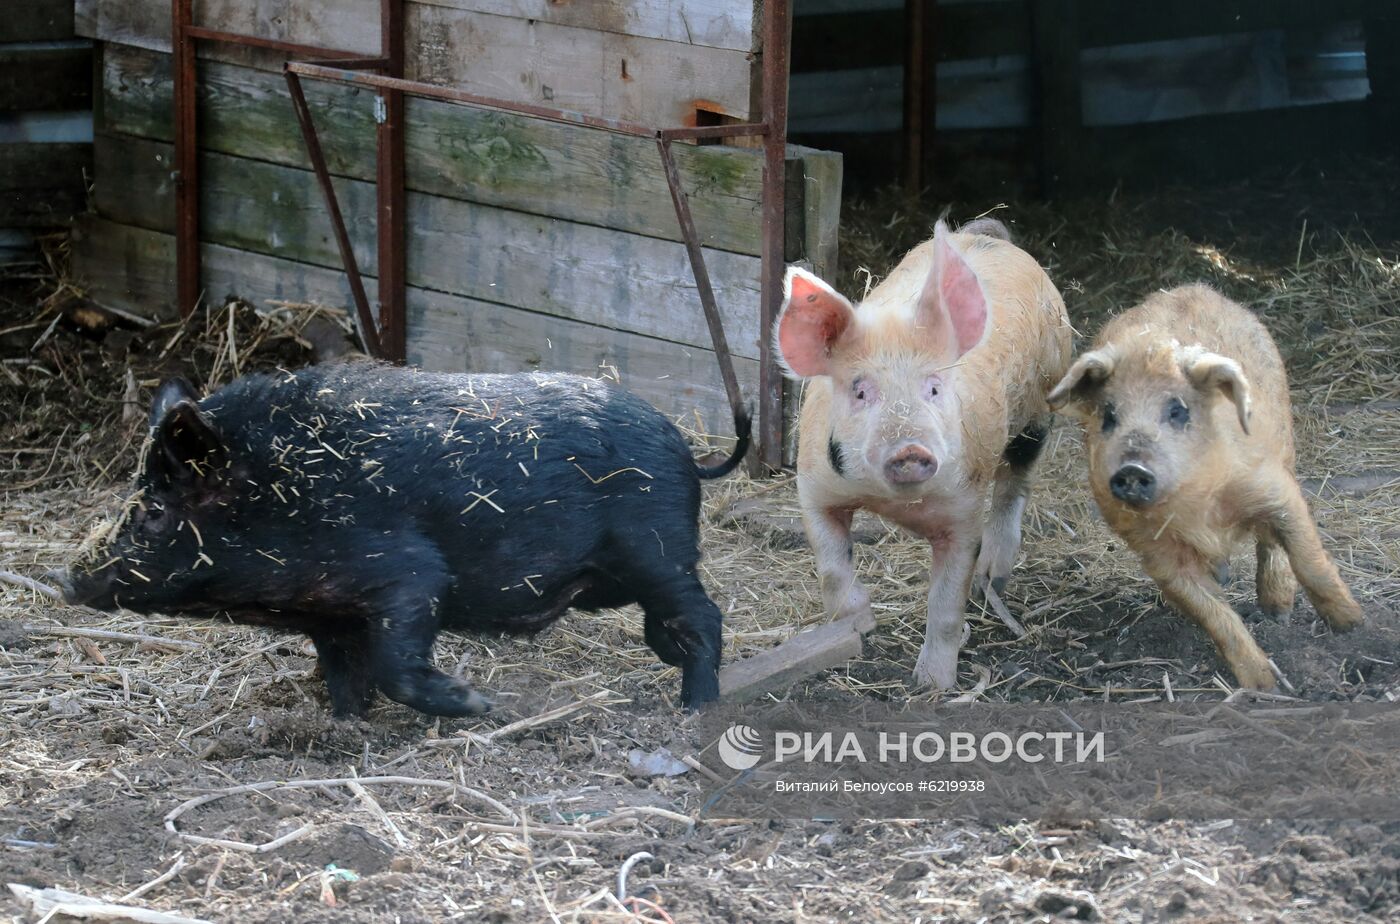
[
  {"x": 954, "y": 291},
  {"x": 187, "y": 448},
  {"x": 1211, "y": 371},
  {"x": 813, "y": 318},
  {"x": 1088, "y": 372},
  {"x": 170, "y": 393}
]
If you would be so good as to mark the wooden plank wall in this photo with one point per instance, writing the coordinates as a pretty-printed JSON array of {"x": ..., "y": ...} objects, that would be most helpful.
[
  {"x": 45, "y": 99},
  {"x": 531, "y": 244},
  {"x": 652, "y": 61}
]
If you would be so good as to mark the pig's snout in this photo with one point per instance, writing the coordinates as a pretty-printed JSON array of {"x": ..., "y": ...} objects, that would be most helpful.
[
  {"x": 1133, "y": 484},
  {"x": 62, "y": 581},
  {"x": 911, "y": 465}
]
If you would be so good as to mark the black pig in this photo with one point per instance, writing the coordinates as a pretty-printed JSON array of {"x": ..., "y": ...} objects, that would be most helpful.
[{"x": 370, "y": 506}]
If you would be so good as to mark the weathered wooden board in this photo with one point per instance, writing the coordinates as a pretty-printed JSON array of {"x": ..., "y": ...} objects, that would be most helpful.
[
  {"x": 734, "y": 24},
  {"x": 134, "y": 269},
  {"x": 564, "y": 171},
  {"x": 603, "y": 73},
  {"x": 45, "y": 76},
  {"x": 37, "y": 20},
  {"x": 821, "y": 210},
  {"x": 648, "y": 80},
  {"x": 350, "y": 25},
  {"x": 572, "y": 270},
  {"x": 806, "y": 653},
  {"x": 42, "y": 184}
]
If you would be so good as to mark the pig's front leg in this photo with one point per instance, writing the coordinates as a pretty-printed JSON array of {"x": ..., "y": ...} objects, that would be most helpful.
[
  {"x": 954, "y": 555},
  {"x": 1186, "y": 582},
  {"x": 829, "y": 532},
  {"x": 344, "y": 663},
  {"x": 403, "y": 626}
]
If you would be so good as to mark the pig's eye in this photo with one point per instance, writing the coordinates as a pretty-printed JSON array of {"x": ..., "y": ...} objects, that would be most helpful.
[
  {"x": 1110, "y": 418},
  {"x": 1177, "y": 414},
  {"x": 864, "y": 392},
  {"x": 932, "y": 386}
]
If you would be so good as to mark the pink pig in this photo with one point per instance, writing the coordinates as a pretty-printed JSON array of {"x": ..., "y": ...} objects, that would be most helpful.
[{"x": 920, "y": 405}]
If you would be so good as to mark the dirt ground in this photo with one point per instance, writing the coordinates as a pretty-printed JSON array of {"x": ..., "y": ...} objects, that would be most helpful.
[{"x": 101, "y": 739}]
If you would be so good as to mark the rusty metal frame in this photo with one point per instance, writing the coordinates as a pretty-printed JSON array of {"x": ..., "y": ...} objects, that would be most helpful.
[
  {"x": 387, "y": 337},
  {"x": 185, "y": 36}
]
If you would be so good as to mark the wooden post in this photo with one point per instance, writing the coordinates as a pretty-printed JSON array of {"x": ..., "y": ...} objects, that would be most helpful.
[
  {"x": 776, "y": 35},
  {"x": 186, "y": 95},
  {"x": 389, "y": 189},
  {"x": 1059, "y": 98}
]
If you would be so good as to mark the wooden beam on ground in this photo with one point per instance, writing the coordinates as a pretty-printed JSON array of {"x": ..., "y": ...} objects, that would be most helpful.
[{"x": 806, "y": 653}]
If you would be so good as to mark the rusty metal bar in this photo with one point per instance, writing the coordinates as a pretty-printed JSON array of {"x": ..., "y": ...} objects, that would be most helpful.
[
  {"x": 369, "y": 333},
  {"x": 774, "y": 103},
  {"x": 389, "y": 190},
  {"x": 362, "y": 64},
  {"x": 255, "y": 41},
  {"x": 184, "y": 36},
  {"x": 186, "y": 175},
  {"x": 433, "y": 91},
  {"x": 702, "y": 277},
  {"x": 713, "y": 131}
]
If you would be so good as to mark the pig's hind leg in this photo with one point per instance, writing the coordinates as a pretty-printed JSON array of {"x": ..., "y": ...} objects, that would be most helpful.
[
  {"x": 1293, "y": 523},
  {"x": 683, "y": 627},
  {"x": 656, "y": 567},
  {"x": 344, "y": 661},
  {"x": 1273, "y": 576},
  {"x": 1001, "y": 539}
]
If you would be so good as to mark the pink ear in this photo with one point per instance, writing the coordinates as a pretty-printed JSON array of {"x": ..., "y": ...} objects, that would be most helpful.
[
  {"x": 814, "y": 317},
  {"x": 954, "y": 291}
]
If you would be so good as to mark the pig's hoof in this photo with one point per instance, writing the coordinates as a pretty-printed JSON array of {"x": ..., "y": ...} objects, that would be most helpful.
[
  {"x": 1222, "y": 573},
  {"x": 1258, "y": 676},
  {"x": 936, "y": 669},
  {"x": 860, "y": 618},
  {"x": 1275, "y": 610},
  {"x": 475, "y": 704},
  {"x": 1343, "y": 617}
]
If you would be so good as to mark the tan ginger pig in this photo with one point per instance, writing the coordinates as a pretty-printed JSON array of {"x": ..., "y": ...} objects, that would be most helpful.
[
  {"x": 1184, "y": 401},
  {"x": 922, "y": 404}
]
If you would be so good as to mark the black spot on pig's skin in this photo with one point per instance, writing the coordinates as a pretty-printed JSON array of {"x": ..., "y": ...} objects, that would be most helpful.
[
  {"x": 1023, "y": 448},
  {"x": 833, "y": 454}
]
